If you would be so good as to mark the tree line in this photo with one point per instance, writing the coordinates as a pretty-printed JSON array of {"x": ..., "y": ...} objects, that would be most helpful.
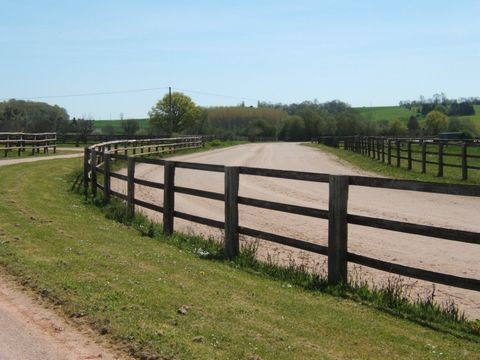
[
  {"x": 440, "y": 102},
  {"x": 31, "y": 116},
  {"x": 178, "y": 114}
]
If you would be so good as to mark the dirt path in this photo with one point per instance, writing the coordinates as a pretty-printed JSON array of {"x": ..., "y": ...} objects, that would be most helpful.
[
  {"x": 418, "y": 251},
  {"x": 12, "y": 161},
  {"x": 30, "y": 331}
]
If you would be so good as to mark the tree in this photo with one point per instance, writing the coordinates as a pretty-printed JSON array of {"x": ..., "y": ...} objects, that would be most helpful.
[
  {"x": 178, "y": 116},
  {"x": 108, "y": 130},
  {"x": 31, "y": 116},
  {"x": 293, "y": 129},
  {"x": 130, "y": 126},
  {"x": 436, "y": 122},
  {"x": 397, "y": 128},
  {"x": 465, "y": 125},
  {"x": 413, "y": 125},
  {"x": 84, "y": 128}
]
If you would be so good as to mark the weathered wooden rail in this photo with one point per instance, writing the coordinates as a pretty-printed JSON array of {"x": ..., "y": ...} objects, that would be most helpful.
[
  {"x": 94, "y": 156},
  {"x": 336, "y": 214},
  {"x": 394, "y": 150},
  {"x": 20, "y": 142}
]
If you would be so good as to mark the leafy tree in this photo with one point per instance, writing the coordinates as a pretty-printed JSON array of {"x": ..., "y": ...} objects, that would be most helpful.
[
  {"x": 465, "y": 125},
  {"x": 293, "y": 129},
  {"x": 130, "y": 126},
  {"x": 108, "y": 130},
  {"x": 259, "y": 128},
  {"x": 31, "y": 116},
  {"x": 397, "y": 128},
  {"x": 84, "y": 128},
  {"x": 181, "y": 116},
  {"x": 413, "y": 125},
  {"x": 436, "y": 122}
]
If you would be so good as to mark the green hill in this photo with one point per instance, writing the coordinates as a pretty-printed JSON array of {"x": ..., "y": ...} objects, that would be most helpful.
[
  {"x": 378, "y": 113},
  {"x": 100, "y": 124}
]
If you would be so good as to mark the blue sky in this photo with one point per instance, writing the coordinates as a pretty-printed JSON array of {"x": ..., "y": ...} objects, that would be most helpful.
[{"x": 362, "y": 52}]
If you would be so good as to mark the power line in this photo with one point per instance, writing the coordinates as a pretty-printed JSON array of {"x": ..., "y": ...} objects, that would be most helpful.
[
  {"x": 92, "y": 93},
  {"x": 134, "y": 91},
  {"x": 217, "y": 95}
]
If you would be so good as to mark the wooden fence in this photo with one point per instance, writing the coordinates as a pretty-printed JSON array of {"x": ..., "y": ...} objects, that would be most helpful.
[
  {"x": 336, "y": 214},
  {"x": 78, "y": 139},
  {"x": 20, "y": 142},
  {"x": 94, "y": 155},
  {"x": 393, "y": 150}
]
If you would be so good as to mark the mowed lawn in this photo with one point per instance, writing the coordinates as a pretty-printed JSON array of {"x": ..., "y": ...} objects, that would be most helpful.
[{"x": 130, "y": 288}]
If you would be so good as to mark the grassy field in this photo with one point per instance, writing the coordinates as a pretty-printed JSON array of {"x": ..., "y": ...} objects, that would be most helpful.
[
  {"x": 154, "y": 297},
  {"x": 100, "y": 124},
  {"x": 451, "y": 174},
  {"x": 476, "y": 117},
  {"x": 378, "y": 113}
]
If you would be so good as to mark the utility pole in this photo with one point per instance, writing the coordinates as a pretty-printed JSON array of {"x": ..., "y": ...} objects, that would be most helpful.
[{"x": 170, "y": 109}]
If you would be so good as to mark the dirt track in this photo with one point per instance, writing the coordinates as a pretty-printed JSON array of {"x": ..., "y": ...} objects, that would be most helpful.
[
  {"x": 12, "y": 161},
  {"x": 419, "y": 251},
  {"x": 30, "y": 331}
]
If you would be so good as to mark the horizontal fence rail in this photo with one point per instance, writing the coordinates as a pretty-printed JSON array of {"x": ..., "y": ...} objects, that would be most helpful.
[
  {"x": 96, "y": 155},
  {"x": 407, "y": 151},
  {"x": 336, "y": 214},
  {"x": 20, "y": 142}
]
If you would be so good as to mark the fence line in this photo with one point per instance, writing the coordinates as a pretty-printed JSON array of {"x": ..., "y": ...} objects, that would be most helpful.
[
  {"x": 336, "y": 214},
  {"x": 385, "y": 149},
  {"x": 21, "y": 142},
  {"x": 95, "y": 155}
]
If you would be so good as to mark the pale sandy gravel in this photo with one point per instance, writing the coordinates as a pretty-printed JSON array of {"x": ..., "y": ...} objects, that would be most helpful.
[
  {"x": 29, "y": 331},
  {"x": 12, "y": 161},
  {"x": 431, "y": 209}
]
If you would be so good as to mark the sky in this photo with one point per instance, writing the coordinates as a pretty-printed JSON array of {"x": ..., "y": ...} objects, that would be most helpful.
[{"x": 366, "y": 53}]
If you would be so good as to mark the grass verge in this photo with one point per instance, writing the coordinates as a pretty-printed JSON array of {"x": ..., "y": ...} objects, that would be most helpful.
[
  {"x": 451, "y": 176},
  {"x": 160, "y": 297}
]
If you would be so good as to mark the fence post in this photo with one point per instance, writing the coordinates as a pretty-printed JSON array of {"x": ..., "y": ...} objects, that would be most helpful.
[
  {"x": 337, "y": 229},
  {"x": 232, "y": 179},
  {"x": 424, "y": 157},
  {"x": 409, "y": 149},
  {"x": 131, "y": 186},
  {"x": 86, "y": 169},
  {"x": 168, "y": 197},
  {"x": 464, "y": 162},
  {"x": 106, "y": 176},
  {"x": 378, "y": 148},
  {"x": 389, "y": 152},
  {"x": 440, "y": 160},
  {"x": 397, "y": 143},
  {"x": 383, "y": 150},
  {"x": 93, "y": 171}
]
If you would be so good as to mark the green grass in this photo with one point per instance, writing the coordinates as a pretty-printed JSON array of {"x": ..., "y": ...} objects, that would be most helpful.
[
  {"x": 378, "y": 113},
  {"x": 100, "y": 124},
  {"x": 451, "y": 175},
  {"x": 130, "y": 287},
  {"x": 476, "y": 117}
]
